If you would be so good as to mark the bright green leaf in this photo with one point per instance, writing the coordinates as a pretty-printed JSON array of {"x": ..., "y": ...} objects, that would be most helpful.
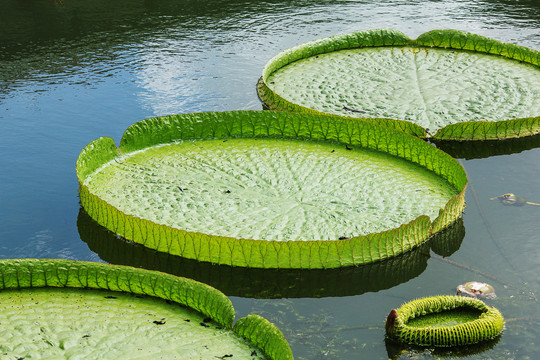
[
  {"x": 273, "y": 199},
  {"x": 454, "y": 84},
  {"x": 72, "y": 310}
]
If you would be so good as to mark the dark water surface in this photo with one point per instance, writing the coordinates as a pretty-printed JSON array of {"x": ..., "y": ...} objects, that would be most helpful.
[{"x": 72, "y": 71}]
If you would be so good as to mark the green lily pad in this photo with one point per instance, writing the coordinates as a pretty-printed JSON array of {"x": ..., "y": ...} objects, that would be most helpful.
[
  {"x": 453, "y": 84},
  {"x": 444, "y": 321},
  {"x": 72, "y": 310},
  {"x": 271, "y": 190}
]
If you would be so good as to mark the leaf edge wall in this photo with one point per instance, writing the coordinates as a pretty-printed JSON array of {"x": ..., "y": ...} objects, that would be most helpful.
[
  {"x": 61, "y": 273},
  {"x": 454, "y": 39},
  {"x": 314, "y": 254},
  {"x": 487, "y": 326}
]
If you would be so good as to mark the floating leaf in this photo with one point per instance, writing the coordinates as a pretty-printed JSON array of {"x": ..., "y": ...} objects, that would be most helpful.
[
  {"x": 444, "y": 321},
  {"x": 270, "y": 190},
  {"x": 453, "y": 84},
  {"x": 72, "y": 309}
]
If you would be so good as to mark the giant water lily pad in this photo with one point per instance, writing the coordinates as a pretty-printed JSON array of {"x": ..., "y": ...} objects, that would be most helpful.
[
  {"x": 444, "y": 321},
  {"x": 74, "y": 310},
  {"x": 270, "y": 190},
  {"x": 447, "y": 84}
]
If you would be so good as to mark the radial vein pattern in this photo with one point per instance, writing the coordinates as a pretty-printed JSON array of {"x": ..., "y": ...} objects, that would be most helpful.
[
  {"x": 270, "y": 189},
  {"x": 430, "y": 87}
]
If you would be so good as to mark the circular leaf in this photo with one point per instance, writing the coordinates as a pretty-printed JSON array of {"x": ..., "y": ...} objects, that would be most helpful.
[
  {"x": 455, "y": 85},
  {"x": 73, "y": 310},
  {"x": 444, "y": 321},
  {"x": 248, "y": 189}
]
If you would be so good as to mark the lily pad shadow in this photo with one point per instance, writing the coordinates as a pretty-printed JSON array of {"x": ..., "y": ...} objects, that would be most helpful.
[{"x": 273, "y": 283}]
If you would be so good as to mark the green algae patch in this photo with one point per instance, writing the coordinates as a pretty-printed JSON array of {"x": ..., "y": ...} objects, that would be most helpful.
[
  {"x": 444, "y": 321},
  {"x": 446, "y": 84},
  {"x": 270, "y": 190},
  {"x": 73, "y": 310}
]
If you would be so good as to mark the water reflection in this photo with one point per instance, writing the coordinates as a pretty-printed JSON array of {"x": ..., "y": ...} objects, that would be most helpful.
[
  {"x": 484, "y": 149},
  {"x": 269, "y": 283},
  {"x": 45, "y": 20},
  {"x": 73, "y": 70},
  {"x": 399, "y": 351},
  {"x": 177, "y": 53},
  {"x": 46, "y": 41}
]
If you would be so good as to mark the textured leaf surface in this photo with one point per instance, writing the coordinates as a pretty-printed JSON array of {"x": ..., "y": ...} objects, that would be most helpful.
[
  {"x": 430, "y": 87},
  {"x": 274, "y": 283},
  {"x": 450, "y": 321},
  {"x": 270, "y": 189},
  {"x": 73, "y": 310},
  {"x": 75, "y": 324},
  {"x": 445, "y": 318},
  {"x": 477, "y": 87},
  {"x": 313, "y": 253}
]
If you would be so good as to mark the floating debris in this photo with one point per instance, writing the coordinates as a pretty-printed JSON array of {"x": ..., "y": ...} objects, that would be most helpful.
[
  {"x": 476, "y": 289},
  {"x": 513, "y": 199}
]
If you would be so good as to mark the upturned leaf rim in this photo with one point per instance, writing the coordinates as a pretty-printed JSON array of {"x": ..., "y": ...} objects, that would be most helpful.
[
  {"x": 448, "y": 38},
  {"x": 488, "y": 325},
  {"x": 62, "y": 273},
  {"x": 313, "y": 254}
]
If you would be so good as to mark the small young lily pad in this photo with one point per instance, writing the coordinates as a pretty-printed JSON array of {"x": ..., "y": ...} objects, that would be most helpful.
[
  {"x": 270, "y": 190},
  {"x": 444, "y": 321},
  {"x": 452, "y": 84},
  {"x": 72, "y": 310}
]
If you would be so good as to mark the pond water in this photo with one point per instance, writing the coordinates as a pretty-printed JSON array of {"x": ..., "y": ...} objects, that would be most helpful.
[{"x": 72, "y": 71}]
